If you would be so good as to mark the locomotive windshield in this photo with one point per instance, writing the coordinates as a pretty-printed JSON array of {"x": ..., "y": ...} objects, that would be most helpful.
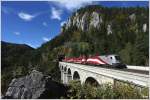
[{"x": 118, "y": 58}]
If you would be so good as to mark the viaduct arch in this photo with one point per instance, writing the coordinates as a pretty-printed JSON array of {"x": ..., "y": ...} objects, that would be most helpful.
[
  {"x": 91, "y": 81},
  {"x": 87, "y": 74},
  {"x": 69, "y": 73}
]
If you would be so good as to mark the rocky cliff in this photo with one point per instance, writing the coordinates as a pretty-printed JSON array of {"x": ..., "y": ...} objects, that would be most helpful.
[
  {"x": 86, "y": 20},
  {"x": 103, "y": 30}
]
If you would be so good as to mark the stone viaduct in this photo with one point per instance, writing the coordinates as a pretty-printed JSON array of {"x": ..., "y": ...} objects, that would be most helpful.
[{"x": 86, "y": 73}]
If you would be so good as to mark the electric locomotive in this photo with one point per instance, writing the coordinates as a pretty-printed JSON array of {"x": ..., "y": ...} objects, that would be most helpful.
[{"x": 112, "y": 60}]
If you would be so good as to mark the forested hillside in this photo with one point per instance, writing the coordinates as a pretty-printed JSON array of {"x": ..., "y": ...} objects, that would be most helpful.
[
  {"x": 14, "y": 61},
  {"x": 14, "y": 54},
  {"x": 100, "y": 30},
  {"x": 89, "y": 31}
]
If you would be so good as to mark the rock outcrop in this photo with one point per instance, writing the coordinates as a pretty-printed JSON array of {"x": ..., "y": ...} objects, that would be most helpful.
[
  {"x": 109, "y": 30},
  {"x": 132, "y": 17},
  {"x": 33, "y": 86},
  {"x": 84, "y": 22},
  {"x": 96, "y": 20},
  {"x": 144, "y": 27}
]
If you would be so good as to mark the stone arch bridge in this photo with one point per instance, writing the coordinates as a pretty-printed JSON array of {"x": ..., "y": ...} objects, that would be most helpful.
[{"x": 85, "y": 73}]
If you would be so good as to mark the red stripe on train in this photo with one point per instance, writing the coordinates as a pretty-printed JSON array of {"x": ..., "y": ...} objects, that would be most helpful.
[{"x": 97, "y": 57}]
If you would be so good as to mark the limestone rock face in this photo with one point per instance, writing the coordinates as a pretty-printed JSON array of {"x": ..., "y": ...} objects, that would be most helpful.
[
  {"x": 109, "y": 30},
  {"x": 96, "y": 20},
  {"x": 68, "y": 24},
  {"x": 144, "y": 27},
  {"x": 84, "y": 21},
  {"x": 33, "y": 86},
  {"x": 132, "y": 17}
]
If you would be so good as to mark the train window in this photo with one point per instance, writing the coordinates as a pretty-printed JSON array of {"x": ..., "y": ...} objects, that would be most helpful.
[{"x": 117, "y": 58}]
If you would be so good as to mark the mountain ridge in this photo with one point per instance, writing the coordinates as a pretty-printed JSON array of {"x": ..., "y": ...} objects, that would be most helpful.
[
  {"x": 115, "y": 29},
  {"x": 118, "y": 30}
]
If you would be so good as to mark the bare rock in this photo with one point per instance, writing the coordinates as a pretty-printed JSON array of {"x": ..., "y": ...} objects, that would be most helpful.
[
  {"x": 84, "y": 21},
  {"x": 96, "y": 20},
  {"x": 132, "y": 17},
  {"x": 33, "y": 86},
  {"x": 144, "y": 27},
  {"x": 109, "y": 30}
]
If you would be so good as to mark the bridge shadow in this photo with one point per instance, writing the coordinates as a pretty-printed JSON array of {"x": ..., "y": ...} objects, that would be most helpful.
[
  {"x": 54, "y": 90},
  {"x": 91, "y": 81}
]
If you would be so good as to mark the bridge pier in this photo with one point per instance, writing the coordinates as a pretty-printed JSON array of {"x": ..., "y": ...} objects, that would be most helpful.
[
  {"x": 65, "y": 79},
  {"x": 62, "y": 75},
  {"x": 69, "y": 78}
]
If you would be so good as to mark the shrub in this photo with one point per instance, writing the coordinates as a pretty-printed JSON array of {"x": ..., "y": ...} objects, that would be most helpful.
[{"x": 106, "y": 91}]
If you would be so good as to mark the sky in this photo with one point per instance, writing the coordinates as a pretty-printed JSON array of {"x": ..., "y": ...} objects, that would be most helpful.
[{"x": 36, "y": 22}]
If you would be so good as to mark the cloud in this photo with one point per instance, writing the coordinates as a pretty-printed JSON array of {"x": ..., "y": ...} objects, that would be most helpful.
[
  {"x": 29, "y": 17},
  {"x": 73, "y": 4},
  {"x": 22, "y": 15},
  {"x": 46, "y": 39},
  {"x": 25, "y": 16},
  {"x": 62, "y": 23},
  {"x": 44, "y": 24},
  {"x": 17, "y": 33},
  {"x": 55, "y": 13}
]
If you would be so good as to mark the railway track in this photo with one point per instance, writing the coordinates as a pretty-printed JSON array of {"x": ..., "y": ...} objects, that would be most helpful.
[
  {"x": 127, "y": 70},
  {"x": 135, "y": 71}
]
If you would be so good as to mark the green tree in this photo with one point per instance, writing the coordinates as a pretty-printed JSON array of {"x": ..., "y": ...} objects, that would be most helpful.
[{"x": 126, "y": 53}]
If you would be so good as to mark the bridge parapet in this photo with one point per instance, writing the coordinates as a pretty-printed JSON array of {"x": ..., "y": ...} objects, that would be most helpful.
[{"x": 144, "y": 68}]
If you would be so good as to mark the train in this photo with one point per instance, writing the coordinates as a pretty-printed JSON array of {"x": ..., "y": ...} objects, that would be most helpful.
[{"x": 111, "y": 60}]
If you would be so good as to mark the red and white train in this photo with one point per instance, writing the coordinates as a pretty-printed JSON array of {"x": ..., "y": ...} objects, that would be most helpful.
[{"x": 112, "y": 60}]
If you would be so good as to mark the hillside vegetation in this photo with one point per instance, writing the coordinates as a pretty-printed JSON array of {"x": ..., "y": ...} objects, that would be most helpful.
[
  {"x": 99, "y": 30},
  {"x": 105, "y": 91},
  {"x": 89, "y": 31},
  {"x": 14, "y": 61}
]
